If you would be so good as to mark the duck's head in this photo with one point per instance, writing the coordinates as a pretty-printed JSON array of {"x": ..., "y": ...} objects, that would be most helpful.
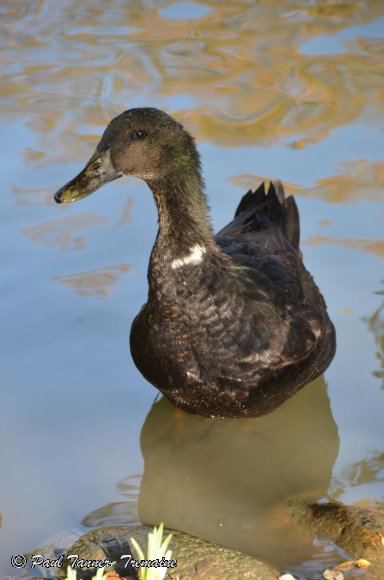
[{"x": 145, "y": 143}]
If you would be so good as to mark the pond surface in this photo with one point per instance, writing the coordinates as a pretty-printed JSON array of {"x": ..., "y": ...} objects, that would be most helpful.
[{"x": 291, "y": 90}]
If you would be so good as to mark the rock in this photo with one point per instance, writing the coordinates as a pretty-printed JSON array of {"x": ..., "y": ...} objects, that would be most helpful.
[
  {"x": 196, "y": 558},
  {"x": 359, "y": 531}
]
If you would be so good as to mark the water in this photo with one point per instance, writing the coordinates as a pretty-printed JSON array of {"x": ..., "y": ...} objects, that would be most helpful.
[{"x": 292, "y": 91}]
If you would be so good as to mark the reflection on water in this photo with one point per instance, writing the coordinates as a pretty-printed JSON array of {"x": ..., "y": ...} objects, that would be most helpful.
[
  {"x": 376, "y": 325},
  {"x": 63, "y": 232},
  {"x": 223, "y": 480},
  {"x": 122, "y": 512},
  {"x": 371, "y": 469},
  {"x": 100, "y": 282},
  {"x": 376, "y": 248},
  {"x": 289, "y": 90},
  {"x": 246, "y": 59},
  {"x": 353, "y": 180}
]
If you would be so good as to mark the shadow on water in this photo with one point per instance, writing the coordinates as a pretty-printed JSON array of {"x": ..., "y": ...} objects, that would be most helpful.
[{"x": 224, "y": 479}]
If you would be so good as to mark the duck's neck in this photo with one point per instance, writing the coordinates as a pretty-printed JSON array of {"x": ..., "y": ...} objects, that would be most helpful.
[{"x": 184, "y": 226}]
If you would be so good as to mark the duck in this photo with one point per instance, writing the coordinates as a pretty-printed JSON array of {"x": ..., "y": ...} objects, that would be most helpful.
[{"x": 234, "y": 324}]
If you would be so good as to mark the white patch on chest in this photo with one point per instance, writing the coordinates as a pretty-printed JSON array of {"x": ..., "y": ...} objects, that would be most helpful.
[{"x": 194, "y": 257}]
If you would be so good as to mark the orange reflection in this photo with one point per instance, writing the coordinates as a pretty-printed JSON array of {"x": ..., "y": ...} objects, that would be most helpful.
[
  {"x": 99, "y": 282},
  {"x": 63, "y": 232},
  {"x": 371, "y": 246},
  {"x": 244, "y": 64},
  {"x": 357, "y": 181}
]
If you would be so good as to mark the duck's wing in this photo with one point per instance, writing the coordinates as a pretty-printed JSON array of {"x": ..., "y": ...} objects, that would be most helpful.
[{"x": 264, "y": 238}]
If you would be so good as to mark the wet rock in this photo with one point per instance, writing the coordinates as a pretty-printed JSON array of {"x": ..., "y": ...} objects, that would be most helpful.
[
  {"x": 196, "y": 558},
  {"x": 359, "y": 531}
]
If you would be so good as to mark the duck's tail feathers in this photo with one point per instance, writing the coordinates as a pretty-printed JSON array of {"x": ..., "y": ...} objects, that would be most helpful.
[{"x": 273, "y": 204}]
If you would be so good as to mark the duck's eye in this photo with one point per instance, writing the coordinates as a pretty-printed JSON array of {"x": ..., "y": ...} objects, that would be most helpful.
[
  {"x": 140, "y": 134},
  {"x": 96, "y": 166}
]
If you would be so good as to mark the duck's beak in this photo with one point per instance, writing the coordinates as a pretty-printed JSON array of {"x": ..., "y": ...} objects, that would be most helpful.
[{"x": 98, "y": 171}]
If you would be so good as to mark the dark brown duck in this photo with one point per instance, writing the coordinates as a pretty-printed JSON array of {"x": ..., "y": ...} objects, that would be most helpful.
[{"x": 234, "y": 324}]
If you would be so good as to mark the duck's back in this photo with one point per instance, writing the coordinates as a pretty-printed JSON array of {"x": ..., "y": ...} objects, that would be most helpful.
[{"x": 246, "y": 328}]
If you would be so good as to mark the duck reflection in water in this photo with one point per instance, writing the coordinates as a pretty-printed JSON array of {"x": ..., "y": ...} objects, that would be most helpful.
[{"x": 227, "y": 481}]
